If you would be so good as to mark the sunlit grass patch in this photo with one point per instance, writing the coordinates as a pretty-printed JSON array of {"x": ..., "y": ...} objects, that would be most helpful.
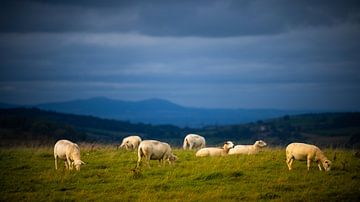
[{"x": 110, "y": 175}]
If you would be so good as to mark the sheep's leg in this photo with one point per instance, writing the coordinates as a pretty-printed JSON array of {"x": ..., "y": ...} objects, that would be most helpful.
[
  {"x": 66, "y": 165},
  {"x": 308, "y": 164},
  {"x": 138, "y": 162},
  {"x": 56, "y": 163},
  {"x": 148, "y": 161},
  {"x": 319, "y": 166},
  {"x": 187, "y": 144},
  {"x": 69, "y": 163},
  {"x": 289, "y": 162},
  {"x": 139, "y": 158}
]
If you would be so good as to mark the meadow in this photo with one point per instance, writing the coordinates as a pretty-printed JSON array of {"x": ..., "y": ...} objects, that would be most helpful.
[{"x": 28, "y": 174}]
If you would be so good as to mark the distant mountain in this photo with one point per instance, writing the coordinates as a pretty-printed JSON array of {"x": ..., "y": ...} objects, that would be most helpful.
[{"x": 158, "y": 111}]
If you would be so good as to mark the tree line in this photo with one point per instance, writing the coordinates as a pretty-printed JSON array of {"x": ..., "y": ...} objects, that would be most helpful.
[{"x": 28, "y": 125}]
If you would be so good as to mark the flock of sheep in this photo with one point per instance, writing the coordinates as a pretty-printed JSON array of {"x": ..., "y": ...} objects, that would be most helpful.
[{"x": 155, "y": 150}]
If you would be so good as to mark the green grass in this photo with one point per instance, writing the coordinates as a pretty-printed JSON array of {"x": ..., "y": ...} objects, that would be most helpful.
[{"x": 28, "y": 174}]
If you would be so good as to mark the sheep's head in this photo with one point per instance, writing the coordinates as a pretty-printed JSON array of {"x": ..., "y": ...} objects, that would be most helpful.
[
  {"x": 228, "y": 145},
  {"x": 327, "y": 165},
  {"x": 77, "y": 164},
  {"x": 127, "y": 145},
  {"x": 260, "y": 143},
  {"x": 172, "y": 158}
]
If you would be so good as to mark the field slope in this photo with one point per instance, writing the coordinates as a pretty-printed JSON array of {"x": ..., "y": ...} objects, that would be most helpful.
[{"x": 27, "y": 174}]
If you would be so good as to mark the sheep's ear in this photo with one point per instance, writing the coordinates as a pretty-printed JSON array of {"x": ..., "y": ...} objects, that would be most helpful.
[{"x": 83, "y": 163}]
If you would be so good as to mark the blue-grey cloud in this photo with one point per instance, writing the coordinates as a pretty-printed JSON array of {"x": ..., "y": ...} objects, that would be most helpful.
[
  {"x": 249, "y": 54},
  {"x": 174, "y": 18}
]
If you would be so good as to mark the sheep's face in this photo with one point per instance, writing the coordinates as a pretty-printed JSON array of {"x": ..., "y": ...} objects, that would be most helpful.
[
  {"x": 228, "y": 145},
  {"x": 260, "y": 143},
  {"x": 77, "y": 164},
  {"x": 127, "y": 145},
  {"x": 327, "y": 165},
  {"x": 172, "y": 158}
]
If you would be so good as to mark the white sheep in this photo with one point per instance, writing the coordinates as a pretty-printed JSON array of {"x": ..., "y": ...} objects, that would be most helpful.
[
  {"x": 214, "y": 151},
  {"x": 248, "y": 149},
  {"x": 193, "y": 141},
  {"x": 131, "y": 143},
  {"x": 155, "y": 150},
  {"x": 68, "y": 151},
  {"x": 302, "y": 151}
]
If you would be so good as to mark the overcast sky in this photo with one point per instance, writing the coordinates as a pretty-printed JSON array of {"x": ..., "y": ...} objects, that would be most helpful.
[{"x": 225, "y": 54}]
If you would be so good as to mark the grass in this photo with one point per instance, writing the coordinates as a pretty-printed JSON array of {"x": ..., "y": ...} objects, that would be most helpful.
[{"x": 28, "y": 174}]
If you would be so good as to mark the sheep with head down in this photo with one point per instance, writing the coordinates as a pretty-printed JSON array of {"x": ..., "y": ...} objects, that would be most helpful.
[
  {"x": 214, "y": 151},
  {"x": 306, "y": 152},
  {"x": 193, "y": 141},
  {"x": 248, "y": 149},
  {"x": 68, "y": 151},
  {"x": 131, "y": 143},
  {"x": 155, "y": 150}
]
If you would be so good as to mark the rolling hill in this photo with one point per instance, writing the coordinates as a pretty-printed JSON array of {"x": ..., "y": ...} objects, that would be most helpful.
[{"x": 158, "y": 111}]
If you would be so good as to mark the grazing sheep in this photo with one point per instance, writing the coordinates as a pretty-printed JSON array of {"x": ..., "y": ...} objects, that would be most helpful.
[
  {"x": 248, "y": 149},
  {"x": 130, "y": 143},
  {"x": 193, "y": 141},
  {"x": 301, "y": 151},
  {"x": 213, "y": 151},
  {"x": 70, "y": 152},
  {"x": 155, "y": 150}
]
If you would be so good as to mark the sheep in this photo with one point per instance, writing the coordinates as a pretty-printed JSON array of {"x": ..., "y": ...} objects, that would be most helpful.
[
  {"x": 302, "y": 151},
  {"x": 155, "y": 150},
  {"x": 213, "y": 151},
  {"x": 248, "y": 149},
  {"x": 193, "y": 141},
  {"x": 70, "y": 152},
  {"x": 131, "y": 143}
]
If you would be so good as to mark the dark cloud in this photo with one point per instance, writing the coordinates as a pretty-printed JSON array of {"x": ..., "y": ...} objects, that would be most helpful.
[
  {"x": 174, "y": 18},
  {"x": 281, "y": 54}
]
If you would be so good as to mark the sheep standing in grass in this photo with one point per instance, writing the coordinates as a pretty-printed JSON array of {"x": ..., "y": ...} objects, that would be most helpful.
[
  {"x": 155, "y": 150},
  {"x": 193, "y": 141},
  {"x": 302, "y": 151},
  {"x": 131, "y": 143},
  {"x": 213, "y": 151},
  {"x": 248, "y": 149},
  {"x": 70, "y": 152}
]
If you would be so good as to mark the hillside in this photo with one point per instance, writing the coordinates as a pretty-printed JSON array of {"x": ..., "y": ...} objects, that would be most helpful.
[
  {"x": 23, "y": 125},
  {"x": 328, "y": 129},
  {"x": 158, "y": 111},
  {"x": 35, "y": 126}
]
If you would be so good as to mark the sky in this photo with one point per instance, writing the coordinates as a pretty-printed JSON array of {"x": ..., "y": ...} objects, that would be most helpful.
[{"x": 215, "y": 54}]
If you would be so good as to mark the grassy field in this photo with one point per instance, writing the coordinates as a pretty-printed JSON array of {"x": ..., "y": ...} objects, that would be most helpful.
[{"x": 28, "y": 174}]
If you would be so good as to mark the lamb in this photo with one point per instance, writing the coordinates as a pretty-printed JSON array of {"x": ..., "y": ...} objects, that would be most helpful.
[
  {"x": 213, "y": 151},
  {"x": 248, "y": 149},
  {"x": 131, "y": 143},
  {"x": 70, "y": 152},
  {"x": 193, "y": 141},
  {"x": 302, "y": 151},
  {"x": 155, "y": 150}
]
